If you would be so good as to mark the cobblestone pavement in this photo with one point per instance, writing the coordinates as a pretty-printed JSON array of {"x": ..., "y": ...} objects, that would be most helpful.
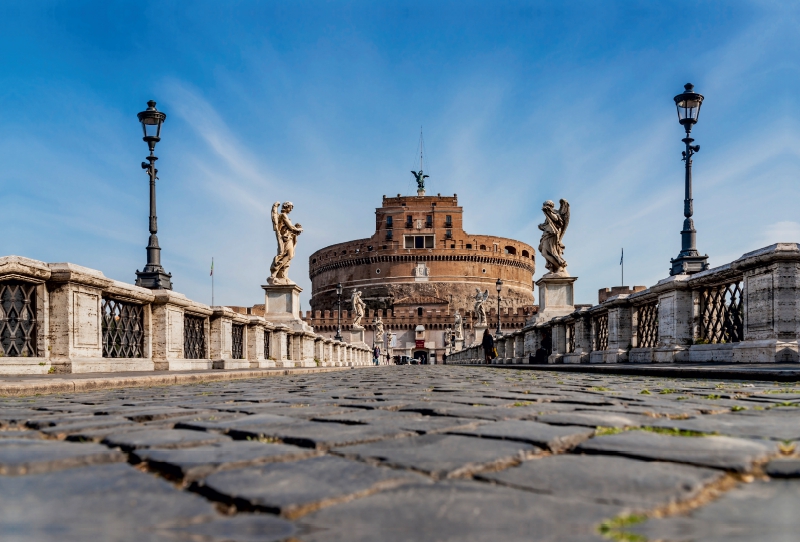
[{"x": 406, "y": 454}]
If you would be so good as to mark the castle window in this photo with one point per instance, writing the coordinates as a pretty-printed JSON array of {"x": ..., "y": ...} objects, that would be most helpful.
[
  {"x": 369, "y": 248},
  {"x": 388, "y": 235},
  {"x": 448, "y": 221},
  {"x": 419, "y": 311},
  {"x": 469, "y": 246},
  {"x": 418, "y": 241},
  {"x": 448, "y": 234},
  {"x": 512, "y": 251},
  {"x": 483, "y": 247},
  {"x": 525, "y": 254},
  {"x": 314, "y": 260},
  {"x": 429, "y": 221},
  {"x": 388, "y": 222},
  {"x": 409, "y": 221}
]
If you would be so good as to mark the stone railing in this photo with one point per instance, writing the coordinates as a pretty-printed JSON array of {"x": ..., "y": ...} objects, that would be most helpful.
[
  {"x": 64, "y": 318},
  {"x": 746, "y": 311}
]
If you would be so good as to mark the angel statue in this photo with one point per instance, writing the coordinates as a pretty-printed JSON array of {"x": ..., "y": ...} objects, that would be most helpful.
[
  {"x": 420, "y": 180},
  {"x": 286, "y": 234},
  {"x": 358, "y": 308},
  {"x": 480, "y": 312},
  {"x": 553, "y": 229},
  {"x": 378, "y": 323},
  {"x": 459, "y": 329}
]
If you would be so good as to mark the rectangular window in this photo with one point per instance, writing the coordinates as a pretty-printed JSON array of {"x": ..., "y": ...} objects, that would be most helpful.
[
  {"x": 448, "y": 221},
  {"x": 389, "y": 235},
  {"x": 469, "y": 246},
  {"x": 429, "y": 221},
  {"x": 448, "y": 234},
  {"x": 388, "y": 222},
  {"x": 418, "y": 241},
  {"x": 409, "y": 221}
]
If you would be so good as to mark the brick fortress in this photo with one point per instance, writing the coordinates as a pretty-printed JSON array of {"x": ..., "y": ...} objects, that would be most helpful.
[{"x": 415, "y": 271}]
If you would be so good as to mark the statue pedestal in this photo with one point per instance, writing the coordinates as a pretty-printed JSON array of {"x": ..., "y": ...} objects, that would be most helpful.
[
  {"x": 555, "y": 296},
  {"x": 478, "y": 333},
  {"x": 357, "y": 335},
  {"x": 459, "y": 345},
  {"x": 282, "y": 306}
]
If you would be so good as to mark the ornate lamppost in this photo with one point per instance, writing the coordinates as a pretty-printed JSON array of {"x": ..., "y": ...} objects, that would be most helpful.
[
  {"x": 689, "y": 260},
  {"x": 338, "y": 336},
  {"x": 499, "y": 286},
  {"x": 153, "y": 275}
]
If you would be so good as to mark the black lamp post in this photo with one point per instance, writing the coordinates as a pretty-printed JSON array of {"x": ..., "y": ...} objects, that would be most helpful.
[
  {"x": 689, "y": 260},
  {"x": 153, "y": 276},
  {"x": 338, "y": 336},
  {"x": 499, "y": 286}
]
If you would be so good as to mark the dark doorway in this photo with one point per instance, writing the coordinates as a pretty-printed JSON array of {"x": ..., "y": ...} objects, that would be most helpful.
[{"x": 422, "y": 356}]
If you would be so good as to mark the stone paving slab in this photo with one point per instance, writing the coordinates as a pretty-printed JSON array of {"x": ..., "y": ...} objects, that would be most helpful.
[
  {"x": 161, "y": 438},
  {"x": 557, "y": 439},
  {"x": 458, "y": 511},
  {"x": 195, "y": 463},
  {"x": 733, "y": 454},
  {"x": 593, "y": 419},
  {"x": 30, "y": 456},
  {"x": 783, "y": 468},
  {"x": 442, "y": 456},
  {"x": 763, "y": 427},
  {"x": 291, "y": 489},
  {"x": 109, "y": 502},
  {"x": 761, "y": 511},
  {"x": 641, "y": 485}
]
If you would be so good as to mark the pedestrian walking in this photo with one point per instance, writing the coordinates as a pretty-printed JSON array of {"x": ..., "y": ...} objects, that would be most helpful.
[{"x": 488, "y": 346}]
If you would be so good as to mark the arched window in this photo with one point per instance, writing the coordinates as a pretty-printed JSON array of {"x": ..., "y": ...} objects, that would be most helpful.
[
  {"x": 512, "y": 251},
  {"x": 525, "y": 254},
  {"x": 419, "y": 311},
  {"x": 483, "y": 247}
]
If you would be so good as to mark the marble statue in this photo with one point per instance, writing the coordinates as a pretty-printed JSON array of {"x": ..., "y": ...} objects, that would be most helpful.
[
  {"x": 459, "y": 329},
  {"x": 378, "y": 323},
  {"x": 553, "y": 229},
  {"x": 286, "y": 234},
  {"x": 358, "y": 308},
  {"x": 420, "y": 178},
  {"x": 480, "y": 312}
]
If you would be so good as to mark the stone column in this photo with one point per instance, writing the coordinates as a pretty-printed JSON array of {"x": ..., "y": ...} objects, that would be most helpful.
[
  {"x": 675, "y": 320},
  {"x": 519, "y": 347},
  {"x": 559, "y": 337},
  {"x": 620, "y": 329},
  {"x": 220, "y": 342}
]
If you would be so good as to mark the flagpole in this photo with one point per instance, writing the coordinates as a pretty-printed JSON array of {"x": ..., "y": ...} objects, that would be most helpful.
[
  {"x": 622, "y": 263},
  {"x": 212, "y": 281}
]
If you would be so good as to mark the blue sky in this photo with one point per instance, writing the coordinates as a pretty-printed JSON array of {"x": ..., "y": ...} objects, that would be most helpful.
[{"x": 321, "y": 103}]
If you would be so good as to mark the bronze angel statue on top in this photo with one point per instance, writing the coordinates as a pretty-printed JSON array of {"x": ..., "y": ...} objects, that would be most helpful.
[
  {"x": 286, "y": 235},
  {"x": 553, "y": 229},
  {"x": 420, "y": 180}
]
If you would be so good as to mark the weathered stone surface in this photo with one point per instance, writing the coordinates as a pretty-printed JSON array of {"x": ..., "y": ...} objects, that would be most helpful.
[
  {"x": 592, "y": 419},
  {"x": 555, "y": 438},
  {"x": 458, "y": 511},
  {"x": 762, "y": 511},
  {"x": 638, "y": 484},
  {"x": 161, "y": 438},
  {"x": 442, "y": 456},
  {"x": 769, "y": 427},
  {"x": 291, "y": 489},
  {"x": 241, "y": 528},
  {"x": 318, "y": 435},
  {"x": 30, "y": 456},
  {"x": 106, "y": 502},
  {"x": 718, "y": 452},
  {"x": 193, "y": 463}
]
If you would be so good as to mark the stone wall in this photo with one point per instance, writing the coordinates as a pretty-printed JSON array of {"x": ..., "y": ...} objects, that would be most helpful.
[
  {"x": 747, "y": 311},
  {"x": 64, "y": 318}
]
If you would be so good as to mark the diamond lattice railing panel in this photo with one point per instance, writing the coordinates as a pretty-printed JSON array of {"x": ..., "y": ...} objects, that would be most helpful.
[
  {"x": 601, "y": 332},
  {"x": 237, "y": 341},
  {"x": 18, "y": 324},
  {"x": 194, "y": 337},
  {"x": 123, "y": 329},
  {"x": 648, "y": 325},
  {"x": 722, "y": 313},
  {"x": 266, "y": 344}
]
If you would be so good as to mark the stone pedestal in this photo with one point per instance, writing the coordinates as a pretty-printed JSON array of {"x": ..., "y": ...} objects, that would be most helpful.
[
  {"x": 478, "y": 333},
  {"x": 282, "y": 306},
  {"x": 555, "y": 297}
]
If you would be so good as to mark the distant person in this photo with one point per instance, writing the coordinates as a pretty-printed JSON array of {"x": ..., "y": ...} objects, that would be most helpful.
[
  {"x": 444, "y": 359},
  {"x": 488, "y": 346}
]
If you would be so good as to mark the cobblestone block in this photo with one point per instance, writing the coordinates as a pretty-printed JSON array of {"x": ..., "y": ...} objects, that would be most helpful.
[
  {"x": 555, "y": 438},
  {"x": 161, "y": 438},
  {"x": 30, "y": 456}
]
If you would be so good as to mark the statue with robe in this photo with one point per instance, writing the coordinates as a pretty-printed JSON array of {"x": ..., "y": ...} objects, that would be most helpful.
[
  {"x": 286, "y": 234},
  {"x": 458, "y": 328},
  {"x": 358, "y": 308},
  {"x": 480, "y": 312},
  {"x": 420, "y": 178},
  {"x": 378, "y": 323},
  {"x": 553, "y": 228}
]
